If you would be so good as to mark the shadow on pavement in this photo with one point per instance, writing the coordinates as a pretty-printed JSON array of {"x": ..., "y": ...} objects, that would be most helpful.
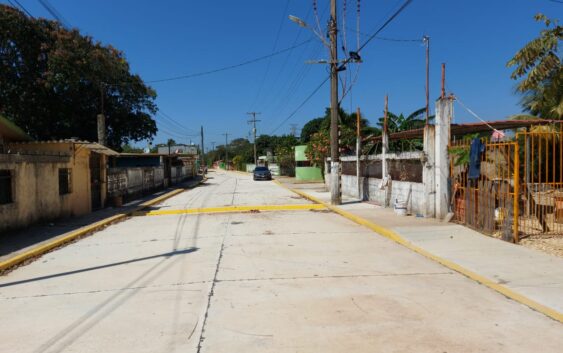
[
  {"x": 18, "y": 240},
  {"x": 166, "y": 255}
]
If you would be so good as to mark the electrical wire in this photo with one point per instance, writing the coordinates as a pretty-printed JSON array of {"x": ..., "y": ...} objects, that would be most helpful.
[
  {"x": 268, "y": 99},
  {"x": 374, "y": 35},
  {"x": 386, "y": 38},
  {"x": 270, "y": 59},
  {"x": 389, "y": 20},
  {"x": 23, "y": 8},
  {"x": 56, "y": 14},
  {"x": 474, "y": 114},
  {"x": 301, "y": 105},
  {"x": 173, "y": 121},
  {"x": 229, "y": 67}
]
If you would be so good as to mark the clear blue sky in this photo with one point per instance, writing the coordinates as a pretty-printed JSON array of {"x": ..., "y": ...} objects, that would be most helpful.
[{"x": 169, "y": 38}]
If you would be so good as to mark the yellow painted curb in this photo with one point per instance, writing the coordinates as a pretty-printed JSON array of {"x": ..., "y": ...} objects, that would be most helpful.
[
  {"x": 388, "y": 233},
  {"x": 228, "y": 209},
  {"x": 42, "y": 249}
]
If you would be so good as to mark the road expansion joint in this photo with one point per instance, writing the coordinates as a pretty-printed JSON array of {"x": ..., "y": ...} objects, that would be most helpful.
[
  {"x": 156, "y": 286},
  {"x": 414, "y": 274},
  {"x": 212, "y": 289}
]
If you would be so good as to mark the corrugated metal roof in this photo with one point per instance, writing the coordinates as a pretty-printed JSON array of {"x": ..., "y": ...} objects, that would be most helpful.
[
  {"x": 470, "y": 128},
  {"x": 93, "y": 146}
]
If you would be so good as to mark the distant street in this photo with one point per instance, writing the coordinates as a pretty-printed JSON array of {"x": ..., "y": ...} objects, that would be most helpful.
[{"x": 286, "y": 280}]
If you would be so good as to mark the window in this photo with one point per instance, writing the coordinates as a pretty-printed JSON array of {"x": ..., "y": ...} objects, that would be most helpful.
[
  {"x": 65, "y": 181},
  {"x": 303, "y": 163},
  {"x": 6, "y": 195}
]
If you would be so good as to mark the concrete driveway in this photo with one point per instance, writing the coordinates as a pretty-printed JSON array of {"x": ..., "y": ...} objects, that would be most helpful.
[{"x": 271, "y": 281}]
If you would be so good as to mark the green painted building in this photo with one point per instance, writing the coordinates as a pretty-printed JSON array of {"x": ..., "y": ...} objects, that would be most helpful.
[{"x": 303, "y": 168}]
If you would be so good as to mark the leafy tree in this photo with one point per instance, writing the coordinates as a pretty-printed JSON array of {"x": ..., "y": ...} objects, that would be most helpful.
[
  {"x": 397, "y": 123},
  {"x": 52, "y": 81},
  {"x": 318, "y": 149},
  {"x": 238, "y": 163},
  {"x": 130, "y": 149},
  {"x": 313, "y": 126},
  {"x": 538, "y": 67}
]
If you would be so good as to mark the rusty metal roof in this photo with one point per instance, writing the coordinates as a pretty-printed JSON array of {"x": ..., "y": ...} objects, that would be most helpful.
[
  {"x": 469, "y": 128},
  {"x": 93, "y": 146}
]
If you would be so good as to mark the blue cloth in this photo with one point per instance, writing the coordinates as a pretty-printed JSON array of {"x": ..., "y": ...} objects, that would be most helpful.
[{"x": 475, "y": 151}]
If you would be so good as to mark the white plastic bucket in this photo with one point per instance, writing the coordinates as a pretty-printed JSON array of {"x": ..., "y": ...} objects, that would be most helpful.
[{"x": 400, "y": 208}]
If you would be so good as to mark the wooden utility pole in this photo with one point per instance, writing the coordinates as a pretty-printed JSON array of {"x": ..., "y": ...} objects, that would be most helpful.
[
  {"x": 358, "y": 152},
  {"x": 443, "y": 93},
  {"x": 202, "y": 159},
  {"x": 335, "y": 196},
  {"x": 253, "y": 121},
  {"x": 384, "y": 149},
  {"x": 426, "y": 40}
]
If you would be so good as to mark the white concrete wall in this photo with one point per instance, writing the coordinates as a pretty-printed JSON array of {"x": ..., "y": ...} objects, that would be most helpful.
[{"x": 402, "y": 190}]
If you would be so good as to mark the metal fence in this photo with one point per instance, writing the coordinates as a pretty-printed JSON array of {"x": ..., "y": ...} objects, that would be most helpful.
[{"x": 518, "y": 190}]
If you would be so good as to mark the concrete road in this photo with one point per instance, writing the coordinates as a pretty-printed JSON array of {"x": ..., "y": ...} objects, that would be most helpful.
[{"x": 280, "y": 281}]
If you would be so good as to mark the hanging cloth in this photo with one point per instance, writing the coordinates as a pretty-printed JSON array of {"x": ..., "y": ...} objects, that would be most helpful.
[{"x": 475, "y": 151}]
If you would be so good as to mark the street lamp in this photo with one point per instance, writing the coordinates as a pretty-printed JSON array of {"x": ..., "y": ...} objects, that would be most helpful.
[{"x": 304, "y": 24}]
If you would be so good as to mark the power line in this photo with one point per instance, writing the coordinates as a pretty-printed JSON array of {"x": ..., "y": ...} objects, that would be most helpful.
[
  {"x": 23, "y": 8},
  {"x": 387, "y": 38},
  {"x": 56, "y": 14},
  {"x": 270, "y": 60},
  {"x": 389, "y": 20},
  {"x": 244, "y": 63},
  {"x": 301, "y": 105},
  {"x": 175, "y": 122},
  {"x": 373, "y": 36}
]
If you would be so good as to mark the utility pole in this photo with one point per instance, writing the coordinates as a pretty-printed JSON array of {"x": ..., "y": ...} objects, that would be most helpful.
[
  {"x": 358, "y": 152},
  {"x": 293, "y": 130},
  {"x": 226, "y": 150},
  {"x": 101, "y": 118},
  {"x": 426, "y": 40},
  {"x": 202, "y": 162},
  {"x": 253, "y": 121},
  {"x": 335, "y": 196}
]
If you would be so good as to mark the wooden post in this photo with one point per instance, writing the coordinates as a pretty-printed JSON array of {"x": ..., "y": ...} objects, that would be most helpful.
[{"x": 358, "y": 153}]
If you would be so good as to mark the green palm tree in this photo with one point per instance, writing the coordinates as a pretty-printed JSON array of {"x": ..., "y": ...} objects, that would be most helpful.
[
  {"x": 396, "y": 123},
  {"x": 538, "y": 66}
]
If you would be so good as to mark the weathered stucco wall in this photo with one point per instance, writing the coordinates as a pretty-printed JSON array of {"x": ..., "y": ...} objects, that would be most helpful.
[
  {"x": 35, "y": 181},
  {"x": 35, "y": 173}
]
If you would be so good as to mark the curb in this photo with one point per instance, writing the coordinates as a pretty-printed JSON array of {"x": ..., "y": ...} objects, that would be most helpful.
[
  {"x": 43, "y": 249},
  {"x": 390, "y": 234}
]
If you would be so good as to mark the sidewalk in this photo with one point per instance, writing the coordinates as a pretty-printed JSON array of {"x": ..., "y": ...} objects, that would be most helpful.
[
  {"x": 21, "y": 241},
  {"x": 527, "y": 272}
]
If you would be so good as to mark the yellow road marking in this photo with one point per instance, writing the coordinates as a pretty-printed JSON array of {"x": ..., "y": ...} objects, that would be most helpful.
[
  {"x": 388, "y": 233},
  {"x": 228, "y": 209}
]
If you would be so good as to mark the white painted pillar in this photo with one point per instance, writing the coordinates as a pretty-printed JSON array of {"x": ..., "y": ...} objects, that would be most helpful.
[
  {"x": 444, "y": 113},
  {"x": 428, "y": 172}
]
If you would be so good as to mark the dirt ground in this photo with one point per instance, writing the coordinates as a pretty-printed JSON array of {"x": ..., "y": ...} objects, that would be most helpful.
[{"x": 551, "y": 244}]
